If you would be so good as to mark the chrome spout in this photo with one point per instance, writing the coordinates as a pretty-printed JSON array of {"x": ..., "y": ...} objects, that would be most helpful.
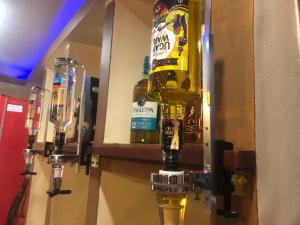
[
  {"x": 57, "y": 163},
  {"x": 28, "y": 158},
  {"x": 171, "y": 189}
]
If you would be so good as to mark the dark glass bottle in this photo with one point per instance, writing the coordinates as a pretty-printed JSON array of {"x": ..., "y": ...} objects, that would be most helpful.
[{"x": 172, "y": 134}]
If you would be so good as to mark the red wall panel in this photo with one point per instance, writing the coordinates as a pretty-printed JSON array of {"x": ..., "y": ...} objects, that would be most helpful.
[{"x": 12, "y": 142}]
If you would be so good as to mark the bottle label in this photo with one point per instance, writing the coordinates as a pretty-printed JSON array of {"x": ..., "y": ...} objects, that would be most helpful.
[
  {"x": 172, "y": 134},
  {"x": 57, "y": 100},
  {"x": 144, "y": 115},
  {"x": 192, "y": 122},
  {"x": 169, "y": 46},
  {"x": 57, "y": 92}
]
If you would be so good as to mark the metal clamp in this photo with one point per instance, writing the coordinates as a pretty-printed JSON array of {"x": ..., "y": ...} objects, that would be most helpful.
[{"x": 170, "y": 182}]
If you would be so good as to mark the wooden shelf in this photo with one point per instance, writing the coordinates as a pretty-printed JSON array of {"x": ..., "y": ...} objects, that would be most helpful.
[
  {"x": 69, "y": 148},
  {"x": 192, "y": 156}
]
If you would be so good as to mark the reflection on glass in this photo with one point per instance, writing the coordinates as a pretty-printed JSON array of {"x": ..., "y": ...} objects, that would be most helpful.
[
  {"x": 63, "y": 93},
  {"x": 33, "y": 120},
  {"x": 171, "y": 208}
]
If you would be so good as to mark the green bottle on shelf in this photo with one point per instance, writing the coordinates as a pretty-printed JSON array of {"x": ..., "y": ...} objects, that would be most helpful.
[{"x": 145, "y": 116}]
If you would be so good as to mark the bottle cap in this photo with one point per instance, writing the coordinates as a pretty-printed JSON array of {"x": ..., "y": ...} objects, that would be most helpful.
[{"x": 172, "y": 111}]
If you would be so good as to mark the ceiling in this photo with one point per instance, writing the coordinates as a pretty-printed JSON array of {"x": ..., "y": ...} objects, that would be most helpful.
[
  {"x": 89, "y": 30},
  {"x": 140, "y": 8},
  {"x": 28, "y": 29}
]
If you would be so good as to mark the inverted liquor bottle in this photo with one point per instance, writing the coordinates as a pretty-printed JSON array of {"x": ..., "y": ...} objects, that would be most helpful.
[
  {"x": 61, "y": 115},
  {"x": 176, "y": 55},
  {"x": 33, "y": 124},
  {"x": 145, "y": 111},
  {"x": 33, "y": 120},
  {"x": 171, "y": 208},
  {"x": 63, "y": 97}
]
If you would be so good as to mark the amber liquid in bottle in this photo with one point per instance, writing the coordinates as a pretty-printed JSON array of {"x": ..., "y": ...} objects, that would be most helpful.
[
  {"x": 145, "y": 112},
  {"x": 172, "y": 135},
  {"x": 171, "y": 208},
  {"x": 176, "y": 59}
]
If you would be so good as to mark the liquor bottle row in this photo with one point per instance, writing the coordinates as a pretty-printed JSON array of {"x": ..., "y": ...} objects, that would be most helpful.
[
  {"x": 167, "y": 100},
  {"x": 153, "y": 111}
]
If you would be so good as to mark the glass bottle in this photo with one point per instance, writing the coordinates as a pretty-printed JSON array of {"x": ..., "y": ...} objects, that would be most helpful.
[
  {"x": 171, "y": 208},
  {"x": 176, "y": 54},
  {"x": 34, "y": 113},
  {"x": 33, "y": 124},
  {"x": 63, "y": 97},
  {"x": 145, "y": 111},
  {"x": 172, "y": 135}
]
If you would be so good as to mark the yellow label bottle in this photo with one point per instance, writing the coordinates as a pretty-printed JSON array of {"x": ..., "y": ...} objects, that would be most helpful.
[
  {"x": 176, "y": 58},
  {"x": 176, "y": 47}
]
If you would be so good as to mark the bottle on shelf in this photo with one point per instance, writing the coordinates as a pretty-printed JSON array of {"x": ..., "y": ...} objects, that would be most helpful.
[
  {"x": 176, "y": 58},
  {"x": 145, "y": 111}
]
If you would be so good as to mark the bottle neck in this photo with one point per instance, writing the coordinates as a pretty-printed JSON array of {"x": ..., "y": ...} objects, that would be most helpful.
[{"x": 144, "y": 76}]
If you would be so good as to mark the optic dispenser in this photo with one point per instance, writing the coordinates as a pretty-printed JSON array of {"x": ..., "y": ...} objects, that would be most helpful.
[
  {"x": 33, "y": 124},
  {"x": 62, "y": 114}
]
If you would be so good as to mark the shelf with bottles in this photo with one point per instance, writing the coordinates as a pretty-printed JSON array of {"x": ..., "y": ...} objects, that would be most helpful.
[
  {"x": 122, "y": 55},
  {"x": 118, "y": 77}
]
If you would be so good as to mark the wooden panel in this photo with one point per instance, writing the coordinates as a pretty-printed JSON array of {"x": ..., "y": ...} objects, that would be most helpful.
[
  {"x": 239, "y": 160},
  {"x": 192, "y": 155},
  {"x": 93, "y": 196},
  {"x": 298, "y": 1},
  {"x": 232, "y": 25},
  {"x": 95, "y": 174},
  {"x": 104, "y": 72},
  {"x": 135, "y": 169}
]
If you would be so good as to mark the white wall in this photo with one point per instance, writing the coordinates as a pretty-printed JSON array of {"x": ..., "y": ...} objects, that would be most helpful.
[
  {"x": 277, "y": 92},
  {"x": 131, "y": 41},
  {"x": 125, "y": 200},
  {"x": 38, "y": 199},
  {"x": 71, "y": 209},
  {"x": 88, "y": 55}
]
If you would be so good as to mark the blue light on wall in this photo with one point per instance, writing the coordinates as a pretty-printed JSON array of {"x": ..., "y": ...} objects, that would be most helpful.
[{"x": 22, "y": 70}]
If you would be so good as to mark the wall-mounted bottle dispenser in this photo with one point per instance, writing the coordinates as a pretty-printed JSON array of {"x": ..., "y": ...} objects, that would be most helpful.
[
  {"x": 33, "y": 125},
  {"x": 182, "y": 68},
  {"x": 62, "y": 115}
]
